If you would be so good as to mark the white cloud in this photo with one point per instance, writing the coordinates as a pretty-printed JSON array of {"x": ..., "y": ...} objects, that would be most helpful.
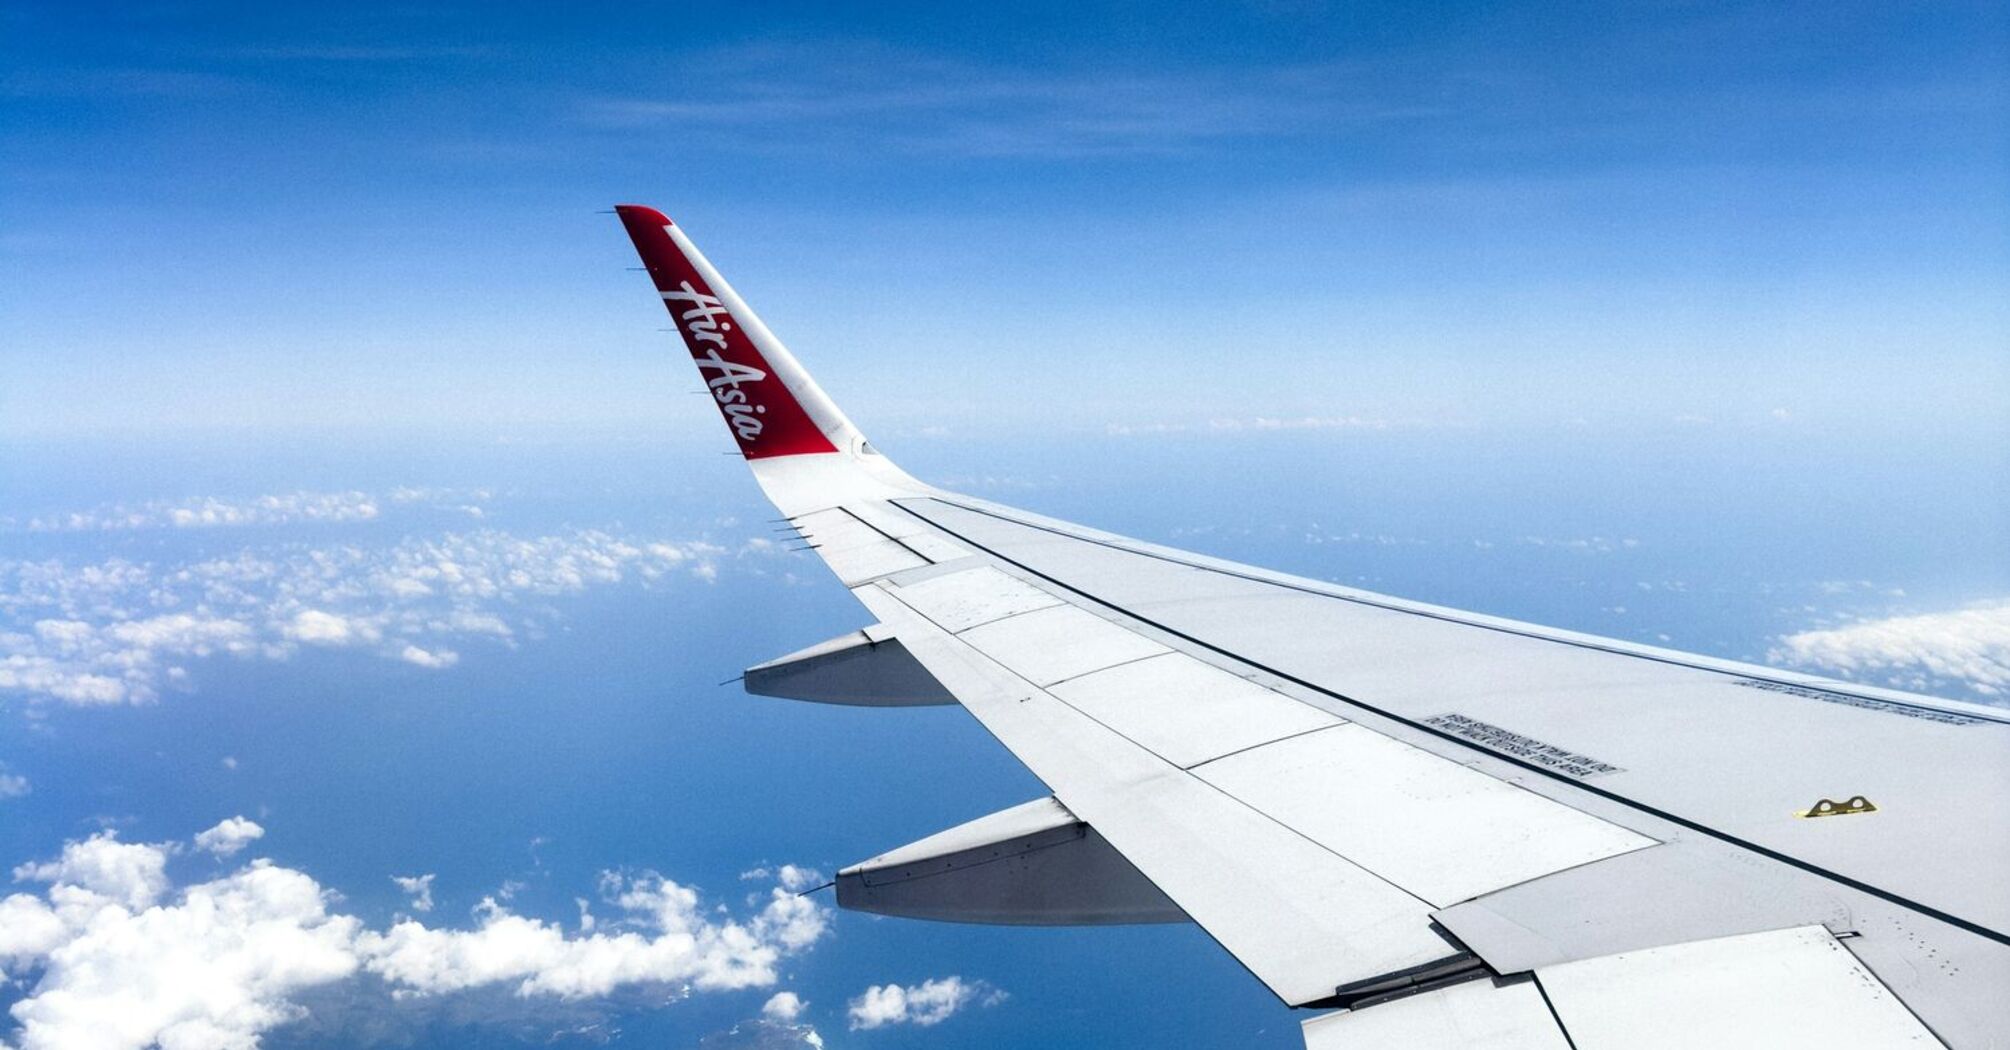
[
  {"x": 930, "y": 1002},
  {"x": 29, "y": 930},
  {"x": 12, "y": 785},
  {"x": 213, "y": 969},
  {"x": 317, "y": 627},
  {"x": 173, "y": 632},
  {"x": 783, "y": 1006},
  {"x": 1966, "y": 647},
  {"x": 1589, "y": 545},
  {"x": 120, "y": 631},
  {"x": 323, "y": 508},
  {"x": 102, "y": 868},
  {"x": 762, "y": 1033},
  {"x": 665, "y": 936},
  {"x": 110, "y": 956},
  {"x": 795, "y": 878},
  {"x": 420, "y": 889},
  {"x": 229, "y": 838},
  {"x": 44, "y": 676},
  {"x": 433, "y": 658}
]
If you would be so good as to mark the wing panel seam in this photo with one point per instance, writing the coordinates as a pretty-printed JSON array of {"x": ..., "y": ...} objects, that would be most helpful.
[{"x": 1288, "y": 736}]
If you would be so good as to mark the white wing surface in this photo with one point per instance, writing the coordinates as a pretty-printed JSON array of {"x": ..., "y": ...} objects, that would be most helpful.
[{"x": 1459, "y": 830}]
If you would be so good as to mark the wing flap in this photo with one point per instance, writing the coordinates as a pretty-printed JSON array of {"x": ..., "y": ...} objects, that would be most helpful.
[
  {"x": 1789, "y": 989},
  {"x": 1438, "y": 829},
  {"x": 1703, "y": 890},
  {"x": 1797, "y": 987}
]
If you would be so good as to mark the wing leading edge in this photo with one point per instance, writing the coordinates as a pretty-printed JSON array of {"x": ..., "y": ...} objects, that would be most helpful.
[{"x": 1467, "y": 831}]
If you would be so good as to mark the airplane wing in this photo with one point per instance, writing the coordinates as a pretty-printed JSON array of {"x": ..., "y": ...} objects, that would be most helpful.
[{"x": 1453, "y": 829}]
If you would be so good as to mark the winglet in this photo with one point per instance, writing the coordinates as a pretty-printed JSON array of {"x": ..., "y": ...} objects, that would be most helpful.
[
  {"x": 642, "y": 213},
  {"x": 772, "y": 407}
]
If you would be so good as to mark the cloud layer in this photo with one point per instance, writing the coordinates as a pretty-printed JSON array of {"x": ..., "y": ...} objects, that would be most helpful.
[
  {"x": 120, "y": 631},
  {"x": 1965, "y": 648},
  {"x": 795, "y": 96},
  {"x": 113, "y": 956},
  {"x": 327, "y": 508}
]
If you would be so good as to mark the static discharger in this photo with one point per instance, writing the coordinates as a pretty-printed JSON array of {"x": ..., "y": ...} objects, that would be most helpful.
[{"x": 1829, "y": 807}]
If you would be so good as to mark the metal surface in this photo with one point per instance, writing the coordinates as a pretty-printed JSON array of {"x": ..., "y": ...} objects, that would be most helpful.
[
  {"x": 1687, "y": 890},
  {"x": 1187, "y": 712},
  {"x": 1793, "y": 989},
  {"x": 1053, "y": 645},
  {"x": 1473, "y": 1015},
  {"x": 1435, "y": 828},
  {"x": 1302, "y": 919},
  {"x": 962, "y": 600},
  {"x": 853, "y": 549},
  {"x": 868, "y": 668},
  {"x": 1762, "y": 754},
  {"x": 1030, "y": 865}
]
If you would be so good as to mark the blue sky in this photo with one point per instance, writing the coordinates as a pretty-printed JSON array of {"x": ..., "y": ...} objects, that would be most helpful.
[
  {"x": 348, "y": 485},
  {"x": 355, "y": 214}
]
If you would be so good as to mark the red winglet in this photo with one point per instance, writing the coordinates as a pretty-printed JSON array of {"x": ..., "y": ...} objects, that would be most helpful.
[
  {"x": 760, "y": 410},
  {"x": 643, "y": 213}
]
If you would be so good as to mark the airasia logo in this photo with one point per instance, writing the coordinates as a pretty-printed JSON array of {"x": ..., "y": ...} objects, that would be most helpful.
[{"x": 707, "y": 322}]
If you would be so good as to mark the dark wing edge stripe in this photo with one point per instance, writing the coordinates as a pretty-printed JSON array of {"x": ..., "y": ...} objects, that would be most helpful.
[
  {"x": 1444, "y": 617},
  {"x": 853, "y": 515},
  {"x": 1548, "y": 1004}
]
